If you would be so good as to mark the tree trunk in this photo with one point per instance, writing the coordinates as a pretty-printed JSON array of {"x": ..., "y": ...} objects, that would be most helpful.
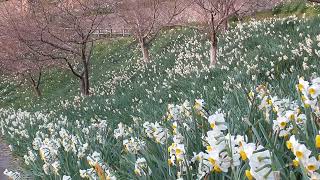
[
  {"x": 84, "y": 88},
  {"x": 36, "y": 85},
  {"x": 213, "y": 49},
  {"x": 213, "y": 42},
  {"x": 86, "y": 91},
  {"x": 37, "y": 91},
  {"x": 145, "y": 51},
  {"x": 84, "y": 80},
  {"x": 84, "y": 85}
]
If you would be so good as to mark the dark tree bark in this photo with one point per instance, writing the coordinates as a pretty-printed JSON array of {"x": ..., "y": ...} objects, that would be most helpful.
[
  {"x": 213, "y": 42},
  {"x": 85, "y": 74},
  {"x": 35, "y": 84},
  {"x": 315, "y": 1},
  {"x": 145, "y": 50},
  {"x": 213, "y": 50}
]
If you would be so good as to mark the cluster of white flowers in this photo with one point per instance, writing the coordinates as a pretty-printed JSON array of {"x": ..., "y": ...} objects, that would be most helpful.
[
  {"x": 121, "y": 131},
  {"x": 218, "y": 158},
  {"x": 156, "y": 131},
  {"x": 53, "y": 141},
  {"x": 30, "y": 157},
  {"x": 199, "y": 107},
  {"x": 48, "y": 151},
  {"x": 141, "y": 167},
  {"x": 99, "y": 169},
  {"x": 177, "y": 153},
  {"x": 133, "y": 145},
  {"x": 288, "y": 113},
  {"x": 260, "y": 164},
  {"x": 310, "y": 92},
  {"x": 303, "y": 157},
  {"x": 12, "y": 175}
]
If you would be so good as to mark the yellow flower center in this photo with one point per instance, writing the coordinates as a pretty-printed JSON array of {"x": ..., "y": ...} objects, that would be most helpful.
[
  {"x": 170, "y": 162},
  {"x": 197, "y": 106},
  {"x": 300, "y": 87},
  {"x": 217, "y": 169},
  {"x": 299, "y": 154},
  {"x": 243, "y": 155},
  {"x": 249, "y": 175},
  {"x": 198, "y": 158},
  {"x": 213, "y": 125},
  {"x": 178, "y": 151},
  {"x": 283, "y": 124},
  {"x": 209, "y": 148},
  {"x": 212, "y": 161},
  {"x": 174, "y": 126},
  {"x": 289, "y": 145},
  {"x": 311, "y": 167},
  {"x": 269, "y": 101},
  {"x": 137, "y": 172},
  {"x": 295, "y": 163},
  {"x": 312, "y": 91}
]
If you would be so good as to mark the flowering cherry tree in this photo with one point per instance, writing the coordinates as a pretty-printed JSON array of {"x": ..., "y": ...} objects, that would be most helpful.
[
  {"x": 146, "y": 18},
  {"x": 62, "y": 31}
]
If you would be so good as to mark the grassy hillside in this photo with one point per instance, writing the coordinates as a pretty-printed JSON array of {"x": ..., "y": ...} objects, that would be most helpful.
[
  {"x": 272, "y": 52},
  {"x": 179, "y": 68}
]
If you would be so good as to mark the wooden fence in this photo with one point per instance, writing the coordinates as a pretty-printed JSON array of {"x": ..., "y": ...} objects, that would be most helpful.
[{"x": 109, "y": 32}]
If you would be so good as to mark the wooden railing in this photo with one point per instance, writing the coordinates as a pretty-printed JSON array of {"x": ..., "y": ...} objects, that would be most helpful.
[{"x": 109, "y": 32}]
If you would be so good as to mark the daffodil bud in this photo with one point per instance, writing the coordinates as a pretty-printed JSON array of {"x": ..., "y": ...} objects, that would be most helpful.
[
  {"x": 317, "y": 141},
  {"x": 249, "y": 175}
]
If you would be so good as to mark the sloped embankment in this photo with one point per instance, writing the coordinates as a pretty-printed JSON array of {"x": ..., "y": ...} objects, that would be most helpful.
[{"x": 8, "y": 161}]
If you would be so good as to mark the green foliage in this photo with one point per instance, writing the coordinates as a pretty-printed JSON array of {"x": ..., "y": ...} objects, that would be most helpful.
[
  {"x": 292, "y": 7},
  {"x": 297, "y": 7}
]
